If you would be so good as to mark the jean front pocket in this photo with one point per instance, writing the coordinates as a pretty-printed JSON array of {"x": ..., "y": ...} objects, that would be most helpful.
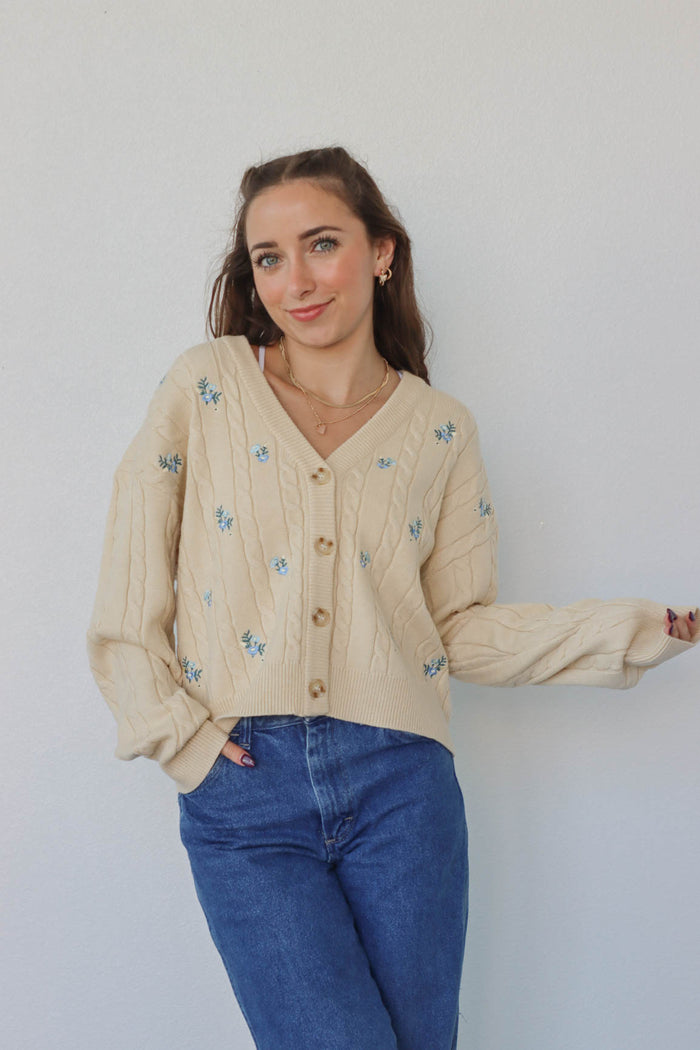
[{"x": 209, "y": 779}]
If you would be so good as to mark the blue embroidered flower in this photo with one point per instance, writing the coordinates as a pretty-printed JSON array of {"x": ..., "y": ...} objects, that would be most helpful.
[
  {"x": 192, "y": 672},
  {"x": 431, "y": 669},
  {"x": 261, "y": 453},
  {"x": 253, "y": 644},
  {"x": 386, "y": 461},
  {"x": 162, "y": 380},
  {"x": 170, "y": 462},
  {"x": 364, "y": 558},
  {"x": 280, "y": 565},
  {"x": 415, "y": 528},
  {"x": 224, "y": 519},
  {"x": 208, "y": 392},
  {"x": 445, "y": 431},
  {"x": 484, "y": 508},
  {"x": 207, "y": 598}
]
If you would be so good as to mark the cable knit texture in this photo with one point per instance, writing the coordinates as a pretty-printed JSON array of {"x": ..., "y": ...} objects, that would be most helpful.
[{"x": 243, "y": 574}]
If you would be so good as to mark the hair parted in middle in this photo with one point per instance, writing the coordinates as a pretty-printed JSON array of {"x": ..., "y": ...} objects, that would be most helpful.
[{"x": 401, "y": 333}]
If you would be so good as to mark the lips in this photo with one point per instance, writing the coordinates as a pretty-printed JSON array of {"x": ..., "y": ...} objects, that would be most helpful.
[{"x": 309, "y": 313}]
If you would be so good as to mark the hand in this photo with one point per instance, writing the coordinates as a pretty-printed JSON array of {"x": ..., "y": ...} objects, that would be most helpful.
[
  {"x": 685, "y": 628},
  {"x": 236, "y": 753}
]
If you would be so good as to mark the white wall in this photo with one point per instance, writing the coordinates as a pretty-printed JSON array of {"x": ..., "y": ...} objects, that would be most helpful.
[{"x": 545, "y": 158}]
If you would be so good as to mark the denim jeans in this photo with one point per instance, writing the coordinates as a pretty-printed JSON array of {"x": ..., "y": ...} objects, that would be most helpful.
[{"x": 334, "y": 879}]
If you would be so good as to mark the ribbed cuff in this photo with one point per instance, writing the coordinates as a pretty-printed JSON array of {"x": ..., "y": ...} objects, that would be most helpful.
[
  {"x": 191, "y": 764},
  {"x": 651, "y": 645}
]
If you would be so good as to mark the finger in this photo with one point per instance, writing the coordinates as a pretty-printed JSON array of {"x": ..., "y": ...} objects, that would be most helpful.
[
  {"x": 682, "y": 628},
  {"x": 677, "y": 626},
  {"x": 237, "y": 754}
]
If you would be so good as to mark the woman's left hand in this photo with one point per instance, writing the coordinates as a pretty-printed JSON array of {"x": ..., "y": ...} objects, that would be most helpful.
[{"x": 685, "y": 628}]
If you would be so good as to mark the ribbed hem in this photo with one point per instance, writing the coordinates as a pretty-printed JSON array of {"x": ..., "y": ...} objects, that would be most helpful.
[{"x": 353, "y": 695}]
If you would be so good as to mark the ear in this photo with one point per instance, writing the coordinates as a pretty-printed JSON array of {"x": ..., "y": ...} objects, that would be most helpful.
[{"x": 384, "y": 248}]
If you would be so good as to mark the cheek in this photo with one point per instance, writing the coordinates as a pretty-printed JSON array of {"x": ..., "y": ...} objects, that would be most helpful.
[
  {"x": 354, "y": 274},
  {"x": 268, "y": 290}
]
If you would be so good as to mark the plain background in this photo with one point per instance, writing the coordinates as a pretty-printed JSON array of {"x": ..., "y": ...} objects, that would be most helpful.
[{"x": 545, "y": 159}]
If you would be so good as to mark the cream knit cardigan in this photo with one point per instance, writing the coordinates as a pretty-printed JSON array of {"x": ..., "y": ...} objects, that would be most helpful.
[{"x": 243, "y": 574}]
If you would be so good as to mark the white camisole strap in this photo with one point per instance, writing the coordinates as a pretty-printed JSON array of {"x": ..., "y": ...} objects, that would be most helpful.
[{"x": 261, "y": 360}]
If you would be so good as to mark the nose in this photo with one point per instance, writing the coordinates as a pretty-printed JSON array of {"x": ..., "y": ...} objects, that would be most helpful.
[{"x": 301, "y": 280}]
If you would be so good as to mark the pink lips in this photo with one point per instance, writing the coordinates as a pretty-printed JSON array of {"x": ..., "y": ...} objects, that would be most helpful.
[{"x": 309, "y": 313}]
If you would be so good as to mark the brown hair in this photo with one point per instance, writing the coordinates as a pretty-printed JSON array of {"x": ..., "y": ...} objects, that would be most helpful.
[{"x": 401, "y": 333}]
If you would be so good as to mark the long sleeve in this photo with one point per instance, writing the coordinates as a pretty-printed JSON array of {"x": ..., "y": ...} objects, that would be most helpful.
[
  {"x": 130, "y": 638},
  {"x": 592, "y": 642}
]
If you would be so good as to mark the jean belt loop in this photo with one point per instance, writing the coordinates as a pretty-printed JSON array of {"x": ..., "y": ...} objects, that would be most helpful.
[{"x": 245, "y": 724}]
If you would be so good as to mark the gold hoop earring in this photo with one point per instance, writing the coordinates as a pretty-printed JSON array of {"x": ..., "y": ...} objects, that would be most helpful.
[{"x": 384, "y": 276}]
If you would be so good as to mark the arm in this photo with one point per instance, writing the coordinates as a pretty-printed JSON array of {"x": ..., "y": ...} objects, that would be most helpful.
[
  {"x": 592, "y": 642},
  {"x": 130, "y": 639}
]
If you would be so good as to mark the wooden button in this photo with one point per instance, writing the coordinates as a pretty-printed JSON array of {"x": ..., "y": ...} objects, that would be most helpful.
[
  {"x": 323, "y": 546},
  {"x": 320, "y": 617},
  {"x": 317, "y": 688},
  {"x": 321, "y": 475}
]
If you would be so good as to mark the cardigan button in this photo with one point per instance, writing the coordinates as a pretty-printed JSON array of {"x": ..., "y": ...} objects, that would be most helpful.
[
  {"x": 323, "y": 546},
  {"x": 320, "y": 617},
  {"x": 317, "y": 688},
  {"x": 321, "y": 475}
]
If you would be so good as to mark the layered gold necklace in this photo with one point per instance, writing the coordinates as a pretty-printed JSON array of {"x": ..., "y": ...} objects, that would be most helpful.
[{"x": 321, "y": 424}]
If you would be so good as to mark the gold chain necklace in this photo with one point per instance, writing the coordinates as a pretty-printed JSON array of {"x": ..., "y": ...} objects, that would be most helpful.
[{"x": 321, "y": 424}]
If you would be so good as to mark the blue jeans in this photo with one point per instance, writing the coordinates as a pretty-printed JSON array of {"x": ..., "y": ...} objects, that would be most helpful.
[{"x": 333, "y": 876}]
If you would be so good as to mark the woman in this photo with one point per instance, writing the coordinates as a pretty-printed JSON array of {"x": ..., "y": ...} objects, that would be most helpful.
[{"x": 316, "y": 519}]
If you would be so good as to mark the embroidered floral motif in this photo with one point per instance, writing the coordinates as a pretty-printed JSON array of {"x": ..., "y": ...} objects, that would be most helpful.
[
  {"x": 445, "y": 431},
  {"x": 208, "y": 392},
  {"x": 431, "y": 669},
  {"x": 192, "y": 672},
  {"x": 253, "y": 644},
  {"x": 364, "y": 558},
  {"x": 415, "y": 528},
  {"x": 224, "y": 519},
  {"x": 280, "y": 565},
  {"x": 484, "y": 508},
  {"x": 386, "y": 461},
  {"x": 261, "y": 453},
  {"x": 207, "y": 598},
  {"x": 170, "y": 462},
  {"x": 162, "y": 380}
]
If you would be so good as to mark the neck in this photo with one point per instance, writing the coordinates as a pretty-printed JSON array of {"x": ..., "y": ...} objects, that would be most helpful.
[{"x": 337, "y": 373}]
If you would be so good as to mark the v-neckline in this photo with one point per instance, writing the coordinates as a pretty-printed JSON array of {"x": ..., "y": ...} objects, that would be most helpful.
[{"x": 379, "y": 427}]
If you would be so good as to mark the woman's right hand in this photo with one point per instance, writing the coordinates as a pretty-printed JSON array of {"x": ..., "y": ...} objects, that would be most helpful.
[{"x": 237, "y": 754}]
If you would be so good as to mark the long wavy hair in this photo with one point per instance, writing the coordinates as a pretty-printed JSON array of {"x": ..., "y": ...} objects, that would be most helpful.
[{"x": 401, "y": 333}]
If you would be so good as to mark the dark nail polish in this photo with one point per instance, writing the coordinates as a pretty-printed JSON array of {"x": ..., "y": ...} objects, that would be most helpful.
[
  {"x": 247, "y": 760},
  {"x": 691, "y": 616},
  {"x": 671, "y": 615}
]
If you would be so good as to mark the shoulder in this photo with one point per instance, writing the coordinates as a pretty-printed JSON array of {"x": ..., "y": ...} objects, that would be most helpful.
[
  {"x": 451, "y": 413},
  {"x": 205, "y": 363},
  {"x": 226, "y": 350}
]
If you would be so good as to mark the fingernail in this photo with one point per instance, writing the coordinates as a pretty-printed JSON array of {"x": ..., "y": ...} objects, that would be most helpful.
[
  {"x": 691, "y": 616},
  {"x": 671, "y": 615},
  {"x": 247, "y": 760}
]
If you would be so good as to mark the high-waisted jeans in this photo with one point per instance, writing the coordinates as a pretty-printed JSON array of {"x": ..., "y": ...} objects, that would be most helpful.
[{"x": 333, "y": 876}]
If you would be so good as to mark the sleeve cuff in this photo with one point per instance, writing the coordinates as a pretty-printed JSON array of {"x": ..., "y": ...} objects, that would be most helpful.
[
  {"x": 191, "y": 764},
  {"x": 651, "y": 645}
]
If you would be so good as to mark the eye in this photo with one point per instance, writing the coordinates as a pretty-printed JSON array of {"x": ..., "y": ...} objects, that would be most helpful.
[
  {"x": 265, "y": 262},
  {"x": 325, "y": 244}
]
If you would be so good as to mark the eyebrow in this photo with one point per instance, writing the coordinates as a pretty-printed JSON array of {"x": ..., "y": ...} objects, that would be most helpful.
[{"x": 302, "y": 237}]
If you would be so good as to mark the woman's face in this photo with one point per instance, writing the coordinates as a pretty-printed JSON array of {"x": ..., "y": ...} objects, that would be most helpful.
[{"x": 313, "y": 264}]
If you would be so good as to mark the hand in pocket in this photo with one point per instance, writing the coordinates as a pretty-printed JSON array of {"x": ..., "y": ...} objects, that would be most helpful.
[{"x": 237, "y": 754}]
